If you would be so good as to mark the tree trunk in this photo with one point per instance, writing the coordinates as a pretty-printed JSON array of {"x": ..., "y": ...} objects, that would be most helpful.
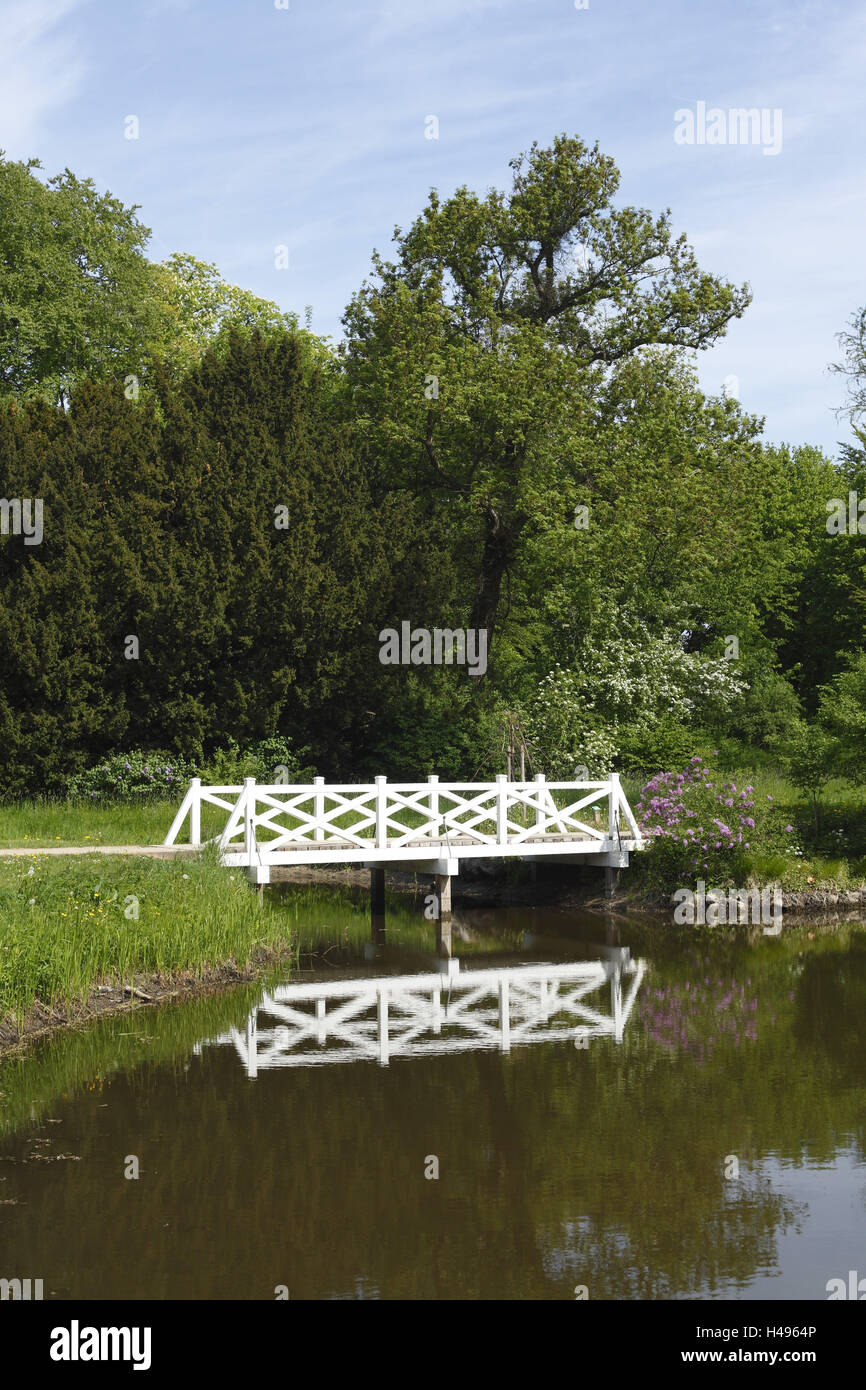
[{"x": 500, "y": 545}]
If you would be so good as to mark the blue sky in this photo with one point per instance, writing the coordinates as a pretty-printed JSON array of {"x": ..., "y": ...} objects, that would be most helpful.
[{"x": 305, "y": 126}]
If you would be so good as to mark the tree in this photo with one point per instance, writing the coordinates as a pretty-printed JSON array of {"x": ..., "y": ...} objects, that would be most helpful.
[
  {"x": 201, "y": 309},
  {"x": 76, "y": 291},
  {"x": 211, "y": 565},
  {"x": 852, "y": 340},
  {"x": 55, "y": 708},
  {"x": 809, "y": 758},
  {"x": 842, "y": 716},
  {"x": 820, "y": 622},
  {"x": 473, "y": 359}
]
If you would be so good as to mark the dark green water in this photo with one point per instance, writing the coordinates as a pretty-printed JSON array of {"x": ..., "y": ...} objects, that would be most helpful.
[{"x": 608, "y": 1165}]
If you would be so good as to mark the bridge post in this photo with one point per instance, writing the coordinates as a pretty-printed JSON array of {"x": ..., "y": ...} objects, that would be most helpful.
[
  {"x": 539, "y": 819},
  {"x": 611, "y": 875},
  {"x": 613, "y": 796},
  {"x": 319, "y": 807},
  {"x": 501, "y": 809},
  {"x": 381, "y": 818},
  {"x": 442, "y": 889},
  {"x": 195, "y": 812},
  {"x": 539, "y": 783},
  {"x": 433, "y": 784},
  {"x": 249, "y": 815}
]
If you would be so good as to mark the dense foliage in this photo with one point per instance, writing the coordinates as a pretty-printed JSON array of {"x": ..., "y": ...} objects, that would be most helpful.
[{"x": 511, "y": 438}]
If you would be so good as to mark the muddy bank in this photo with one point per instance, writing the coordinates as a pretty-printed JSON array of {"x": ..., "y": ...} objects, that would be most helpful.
[{"x": 142, "y": 992}]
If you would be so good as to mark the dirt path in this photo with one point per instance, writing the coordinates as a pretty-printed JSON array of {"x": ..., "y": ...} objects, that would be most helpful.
[{"x": 149, "y": 851}]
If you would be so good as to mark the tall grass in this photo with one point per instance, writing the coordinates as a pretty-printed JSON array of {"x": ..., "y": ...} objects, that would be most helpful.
[
  {"x": 47, "y": 824},
  {"x": 67, "y": 924}
]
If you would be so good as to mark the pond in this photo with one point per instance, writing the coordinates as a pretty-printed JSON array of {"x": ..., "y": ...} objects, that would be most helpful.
[{"x": 570, "y": 1106}]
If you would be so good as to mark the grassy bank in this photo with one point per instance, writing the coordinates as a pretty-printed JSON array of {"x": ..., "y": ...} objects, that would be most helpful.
[
  {"x": 68, "y": 925},
  {"x": 69, "y": 952},
  {"x": 46, "y": 824}
]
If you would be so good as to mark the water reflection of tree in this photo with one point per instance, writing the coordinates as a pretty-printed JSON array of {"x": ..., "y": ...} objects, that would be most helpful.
[
  {"x": 725, "y": 1247},
  {"x": 831, "y": 1007}
]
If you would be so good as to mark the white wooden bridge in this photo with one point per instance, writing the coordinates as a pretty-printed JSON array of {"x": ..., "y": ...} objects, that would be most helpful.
[
  {"x": 427, "y": 826},
  {"x": 449, "y": 1011}
]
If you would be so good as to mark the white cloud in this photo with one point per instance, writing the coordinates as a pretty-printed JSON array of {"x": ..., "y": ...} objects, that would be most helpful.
[{"x": 40, "y": 69}]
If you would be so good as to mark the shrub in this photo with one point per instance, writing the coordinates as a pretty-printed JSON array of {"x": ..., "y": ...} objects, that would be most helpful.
[
  {"x": 636, "y": 677},
  {"x": 565, "y": 732},
  {"x": 656, "y": 746},
  {"x": 269, "y": 760},
  {"x": 700, "y": 826},
  {"x": 808, "y": 757},
  {"x": 843, "y": 715},
  {"x": 137, "y": 776},
  {"x": 769, "y": 710}
]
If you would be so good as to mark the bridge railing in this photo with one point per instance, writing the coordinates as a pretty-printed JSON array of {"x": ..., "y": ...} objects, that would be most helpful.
[{"x": 385, "y": 815}]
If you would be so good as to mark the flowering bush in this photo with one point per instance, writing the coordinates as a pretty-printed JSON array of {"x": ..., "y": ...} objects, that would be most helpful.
[
  {"x": 631, "y": 696},
  {"x": 700, "y": 824},
  {"x": 135, "y": 776},
  {"x": 565, "y": 731},
  {"x": 636, "y": 677}
]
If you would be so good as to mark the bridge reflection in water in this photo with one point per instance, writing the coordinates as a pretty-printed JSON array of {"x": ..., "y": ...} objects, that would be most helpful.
[{"x": 446, "y": 1011}]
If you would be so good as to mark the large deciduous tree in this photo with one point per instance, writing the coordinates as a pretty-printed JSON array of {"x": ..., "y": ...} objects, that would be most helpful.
[
  {"x": 474, "y": 357},
  {"x": 77, "y": 294}
]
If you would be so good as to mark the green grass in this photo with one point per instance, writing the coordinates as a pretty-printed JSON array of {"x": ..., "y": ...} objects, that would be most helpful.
[
  {"x": 64, "y": 924},
  {"x": 48, "y": 824}
]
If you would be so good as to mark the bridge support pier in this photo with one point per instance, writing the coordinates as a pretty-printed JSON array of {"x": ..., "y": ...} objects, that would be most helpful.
[
  {"x": 442, "y": 892},
  {"x": 442, "y": 889},
  {"x": 611, "y": 879}
]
